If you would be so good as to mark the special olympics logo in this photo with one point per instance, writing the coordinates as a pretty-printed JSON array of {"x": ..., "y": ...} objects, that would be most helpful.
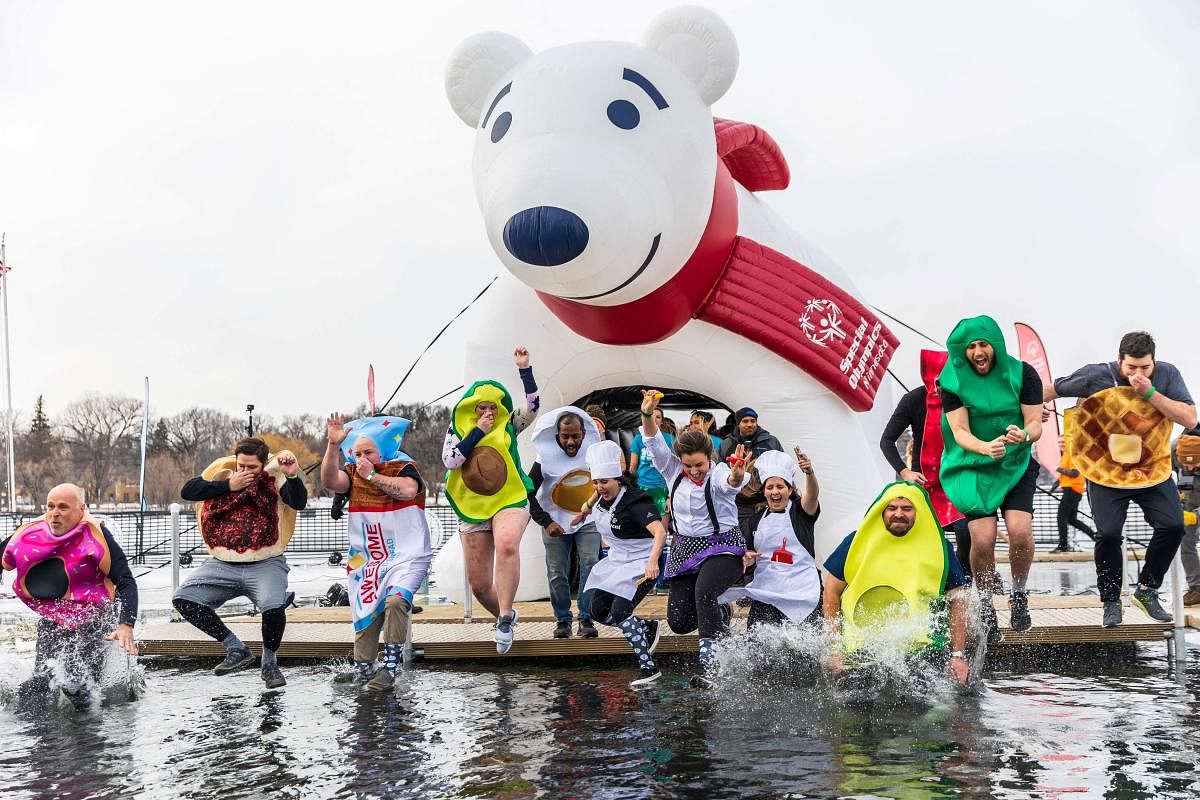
[{"x": 822, "y": 322}]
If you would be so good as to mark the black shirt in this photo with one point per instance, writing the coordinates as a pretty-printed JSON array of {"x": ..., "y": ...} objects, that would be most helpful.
[
  {"x": 1031, "y": 391},
  {"x": 634, "y": 512},
  {"x": 909, "y": 413},
  {"x": 292, "y": 492}
]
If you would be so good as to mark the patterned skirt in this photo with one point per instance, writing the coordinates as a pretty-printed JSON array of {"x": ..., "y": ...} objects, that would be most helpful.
[{"x": 687, "y": 552}]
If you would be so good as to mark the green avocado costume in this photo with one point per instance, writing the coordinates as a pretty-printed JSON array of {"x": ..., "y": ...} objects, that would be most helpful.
[
  {"x": 891, "y": 577},
  {"x": 978, "y": 484},
  {"x": 491, "y": 479}
]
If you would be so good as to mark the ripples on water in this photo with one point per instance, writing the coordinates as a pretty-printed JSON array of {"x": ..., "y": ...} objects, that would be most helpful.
[{"x": 1113, "y": 725}]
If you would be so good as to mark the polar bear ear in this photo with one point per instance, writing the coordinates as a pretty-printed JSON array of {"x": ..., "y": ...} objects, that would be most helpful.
[
  {"x": 700, "y": 44},
  {"x": 475, "y": 66}
]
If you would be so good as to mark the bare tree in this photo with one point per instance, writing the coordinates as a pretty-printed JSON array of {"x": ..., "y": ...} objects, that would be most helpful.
[
  {"x": 99, "y": 431},
  {"x": 165, "y": 476},
  {"x": 199, "y": 435}
]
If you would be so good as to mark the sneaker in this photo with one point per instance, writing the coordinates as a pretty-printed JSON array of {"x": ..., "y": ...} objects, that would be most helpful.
[
  {"x": 645, "y": 678},
  {"x": 988, "y": 614},
  {"x": 562, "y": 630},
  {"x": 700, "y": 681},
  {"x": 381, "y": 681},
  {"x": 273, "y": 677},
  {"x": 1147, "y": 600},
  {"x": 1063, "y": 548},
  {"x": 80, "y": 699},
  {"x": 504, "y": 631},
  {"x": 1019, "y": 619},
  {"x": 234, "y": 660},
  {"x": 587, "y": 629},
  {"x": 1192, "y": 596},
  {"x": 653, "y": 633},
  {"x": 1112, "y": 613}
]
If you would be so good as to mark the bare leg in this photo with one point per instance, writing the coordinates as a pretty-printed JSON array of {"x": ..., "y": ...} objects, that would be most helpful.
[
  {"x": 1020, "y": 543},
  {"x": 507, "y": 529},
  {"x": 479, "y": 552},
  {"x": 983, "y": 553}
]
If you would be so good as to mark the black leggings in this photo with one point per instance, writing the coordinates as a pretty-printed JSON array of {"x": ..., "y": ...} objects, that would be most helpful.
[
  {"x": 692, "y": 603},
  {"x": 608, "y": 609},
  {"x": 962, "y": 544},
  {"x": 207, "y": 621}
]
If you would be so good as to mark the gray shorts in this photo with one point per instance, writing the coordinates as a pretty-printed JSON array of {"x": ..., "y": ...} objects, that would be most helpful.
[{"x": 217, "y": 582}]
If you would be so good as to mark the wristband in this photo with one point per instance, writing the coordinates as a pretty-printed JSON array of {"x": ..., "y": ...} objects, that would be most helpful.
[
  {"x": 371, "y": 477},
  {"x": 959, "y": 654},
  {"x": 1027, "y": 436},
  {"x": 290, "y": 477},
  {"x": 586, "y": 507},
  {"x": 1149, "y": 394},
  {"x": 647, "y": 416}
]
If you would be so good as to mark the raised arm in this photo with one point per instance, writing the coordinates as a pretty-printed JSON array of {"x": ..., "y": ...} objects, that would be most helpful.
[
  {"x": 809, "y": 498},
  {"x": 332, "y": 476},
  {"x": 661, "y": 455},
  {"x": 523, "y": 418}
]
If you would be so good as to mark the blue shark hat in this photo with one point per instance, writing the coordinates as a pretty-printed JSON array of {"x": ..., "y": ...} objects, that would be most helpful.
[{"x": 386, "y": 432}]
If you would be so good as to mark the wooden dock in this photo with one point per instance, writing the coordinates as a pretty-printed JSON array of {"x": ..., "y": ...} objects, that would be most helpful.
[{"x": 439, "y": 632}]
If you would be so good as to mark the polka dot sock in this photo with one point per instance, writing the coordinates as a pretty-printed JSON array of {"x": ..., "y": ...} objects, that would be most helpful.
[{"x": 634, "y": 630}]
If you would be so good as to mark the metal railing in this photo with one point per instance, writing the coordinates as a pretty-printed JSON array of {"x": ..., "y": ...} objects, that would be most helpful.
[{"x": 147, "y": 537}]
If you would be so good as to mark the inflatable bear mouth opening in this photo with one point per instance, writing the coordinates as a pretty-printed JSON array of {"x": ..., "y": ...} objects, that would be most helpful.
[{"x": 622, "y": 408}]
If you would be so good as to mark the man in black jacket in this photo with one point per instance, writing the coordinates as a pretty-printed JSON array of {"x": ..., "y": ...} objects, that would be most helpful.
[{"x": 757, "y": 441}]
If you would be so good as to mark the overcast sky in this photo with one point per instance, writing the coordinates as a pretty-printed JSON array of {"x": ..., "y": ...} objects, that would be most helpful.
[{"x": 250, "y": 202}]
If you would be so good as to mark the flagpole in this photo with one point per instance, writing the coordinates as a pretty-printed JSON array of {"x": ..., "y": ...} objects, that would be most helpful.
[{"x": 12, "y": 466}]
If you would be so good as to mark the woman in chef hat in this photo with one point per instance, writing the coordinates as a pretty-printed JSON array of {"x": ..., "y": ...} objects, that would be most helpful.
[
  {"x": 628, "y": 522},
  {"x": 779, "y": 539}
]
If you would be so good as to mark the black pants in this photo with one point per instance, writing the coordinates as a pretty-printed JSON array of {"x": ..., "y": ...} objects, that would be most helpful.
[
  {"x": 79, "y": 655},
  {"x": 206, "y": 620},
  {"x": 692, "y": 603},
  {"x": 1068, "y": 515},
  {"x": 608, "y": 609},
  {"x": 962, "y": 544},
  {"x": 1163, "y": 512}
]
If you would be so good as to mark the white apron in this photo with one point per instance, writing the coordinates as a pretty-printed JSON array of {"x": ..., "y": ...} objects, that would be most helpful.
[
  {"x": 619, "y": 572},
  {"x": 389, "y": 554},
  {"x": 795, "y": 588}
]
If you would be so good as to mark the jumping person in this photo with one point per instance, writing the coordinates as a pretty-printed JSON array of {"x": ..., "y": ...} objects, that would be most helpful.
[
  {"x": 246, "y": 528},
  {"x": 706, "y": 543},
  {"x": 72, "y": 572},
  {"x": 388, "y": 534},
  {"x": 897, "y": 566},
  {"x": 992, "y": 406},
  {"x": 490, "y": 492},
  {"x": 785, "y": 585},
  {"x": 627, "y": 520},
  {"x": 1159, "y": 397},
  {"x": 561, "y": 484}
]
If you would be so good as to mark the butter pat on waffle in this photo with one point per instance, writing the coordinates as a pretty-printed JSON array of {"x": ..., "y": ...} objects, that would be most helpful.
[{"x": 1119, "y": 440}]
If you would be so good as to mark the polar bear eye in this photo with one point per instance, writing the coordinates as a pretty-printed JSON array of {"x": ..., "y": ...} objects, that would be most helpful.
[
  {"x": 623, "y": 114},
  {"x": 500, "y": 127}
]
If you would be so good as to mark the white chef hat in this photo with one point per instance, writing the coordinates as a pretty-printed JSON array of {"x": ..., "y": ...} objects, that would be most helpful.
[
  {"x": 774, "y": 464},
  {"x": 604, "y": 460}
]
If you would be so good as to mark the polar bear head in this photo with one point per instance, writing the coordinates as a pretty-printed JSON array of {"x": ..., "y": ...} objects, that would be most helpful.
[{"x": 595, "y": 162}]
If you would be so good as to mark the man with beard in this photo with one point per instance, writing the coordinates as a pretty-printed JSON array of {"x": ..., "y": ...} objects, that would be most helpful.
[
  {"x": 992, "y": 407},
  {"x": 561, "y": 486},
  {"x": 897, "y": 567},
  {"x": 1136, "y": 401}
]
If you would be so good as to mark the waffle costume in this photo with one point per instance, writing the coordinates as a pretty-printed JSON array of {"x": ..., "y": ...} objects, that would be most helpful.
[{"x": 1120, "y": 441}]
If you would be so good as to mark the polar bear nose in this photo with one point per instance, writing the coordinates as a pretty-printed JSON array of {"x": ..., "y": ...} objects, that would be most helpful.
[{"x": 545, "y": 236}]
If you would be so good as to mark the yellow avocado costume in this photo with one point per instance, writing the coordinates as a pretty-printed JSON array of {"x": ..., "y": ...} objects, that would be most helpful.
[
  {"x": 891, "y": 577},
  {"x": 1119, "y": 440},
  {"x": 222, "y": 470},
  {"x": 491, "y": 479}
]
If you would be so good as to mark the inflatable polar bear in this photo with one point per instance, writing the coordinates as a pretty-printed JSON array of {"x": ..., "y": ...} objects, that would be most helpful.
[{"x": 640, "y": 255}]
